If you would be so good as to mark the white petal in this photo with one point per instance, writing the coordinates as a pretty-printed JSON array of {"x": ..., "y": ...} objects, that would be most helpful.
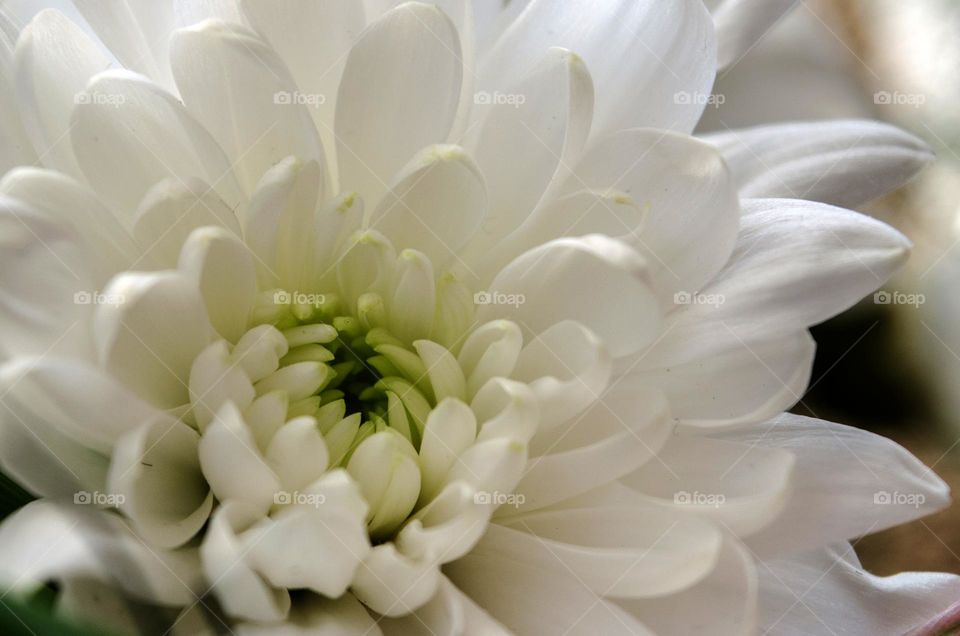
[
  {"x": 493, "y": 466},
  {"x": 170, "y": 211},
  {"x": 741, "y": 384},
  {"x": 835, "y": 591},
  {"x": 124, "y": 148},
  {"x": 385, "y": 467},
  {"x": 404, "y": 65},
  {"x": 624, "y": 552},
  {"x": 744, "y": 488},
  {"x": 393, "y": 584},
  {"x": 554, "y": 601},
  {"x": 39, "y": 445},
  {"x": 232, "y": 464},
  {"x": 624, "y": 429},
  {"x": 367, "y": 265},
  {"x": 640, "y": 53},
  {"x": 446, "y": 376},
  {"x": 558, "y": 281},
  {"x": 313, "y": 39},
  {"x": 836, "y": 257},
  {"x": 444, "y": 614},
  {"x": 413, "y": 302},
  {"x": 68, "y": 395},
  {"x": 150, "y": 333},
  {"x": 446, "y": 528},
  {"x": 223, "y": 268},
  {"x": 234, "y": 84},
  {"x": 74, "y": 204},
  {"x": 490, "y": 351},
  {"x": 344, "y": 616},
  {"x": 532, "y": 134},
  {"x": 240, "y": 590},
  {"x": 309, "y": 547},
  {"x": 136, "y": 31},
  {"x": 742, "y": 23},
  {"x": 724, "y": 603},
  {"x": 451, "y": 428},
  {"x": 506, "y": 409},
  {"x": 687, "y": 194},
  {"x": 883, "y": 484},
  {"x": 45, "y": 284},
  {"x": 435, "y": 203},
  {"x": 155, "y": 469},
  {"x": 567, "y": 367},
  {"x": 54, "y": 59},
  {"x": 280, "y": 224},
  {"x": 297, "y": 453},
  {"x": 44, "y": 541},
  {"x": 215, "y": 379},
  {"x": 844, "y": 163}
]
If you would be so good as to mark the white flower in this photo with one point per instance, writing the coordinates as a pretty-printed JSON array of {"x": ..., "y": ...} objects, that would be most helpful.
[{"x": 424, "y": 325}]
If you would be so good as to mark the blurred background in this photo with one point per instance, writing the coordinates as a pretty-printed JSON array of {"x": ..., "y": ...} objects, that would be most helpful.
[{"x": 892, "y": 364}]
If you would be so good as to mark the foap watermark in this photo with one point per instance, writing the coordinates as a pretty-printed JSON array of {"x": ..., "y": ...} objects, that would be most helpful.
[
  {"x": 896, "y": 498},
  {"x": 496, "y": 98},
  {"x": 100, "y": 99},
  {"x": 84, "y": 297},
  {"x": 898, "y": 98},
  {"x": 701, "y": 99},
  {"x": 697, "y": 298},
  {"x": 898, "y": 298},
  {"x": 283, "y": 297},
  {"x": 498, "y": 498},
  {"x": 297, "y": 498},
  {"x": 498, "y": 298},
  {"x": 697, "y": 498},
  {"x": 96, "y": 498},
  {"x": 296, "y": 98}
]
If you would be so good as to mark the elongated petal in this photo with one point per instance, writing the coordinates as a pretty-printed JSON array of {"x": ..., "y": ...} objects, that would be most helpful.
[
  {"x": 834, "y": 590},
  {"x": 220, "y": 65},
  {"x": 156, "y": 470},
  {"x": 46, "y": 541},
  {"x": 641, "y": 54},
  {"x": 144, "y": 136},
  {"x": 742, "y": 23},
  {"x": 45, "y": 284},
  {"x": 844, "y": 163},
  {"x": 884, "y": 485},
  {"x": 150, "y": 332},
  {"x": 405, "y": 64},
  {"x": 54, "y": 59},
  {"x": 557, "y": 281},
  {"x": 436, "y": 203}
]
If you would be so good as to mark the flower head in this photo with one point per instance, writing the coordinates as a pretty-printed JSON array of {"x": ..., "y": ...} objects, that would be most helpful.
[{"x": 378, "y": 319}]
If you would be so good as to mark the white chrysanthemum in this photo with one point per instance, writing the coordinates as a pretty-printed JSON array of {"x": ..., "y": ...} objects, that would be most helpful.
[{"x": 429, "y": 319}]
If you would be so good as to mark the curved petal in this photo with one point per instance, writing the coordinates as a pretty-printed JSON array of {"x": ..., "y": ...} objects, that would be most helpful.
[
  {"x": 741, "y": 24},
  {"x": 621, "y": 431},
  {"x": 557, "y": 281},
  {"x": 883, "y": 484},
  {"x": 143, "y": 136},
  {"x": 46, "y": 294},
  {"x": 567, "y": 367},
  {"x": 744, "y": 488},
  {"x": 405, "y": 64},
  {"x": 344, "y": 616},
  {"x": 724, "y": 603},
  {"x": 687, "y": 194},
  {"x": 45, "y": 541},
  {"x": 844, "y": 163},
  {"x": 554, "y": 601},
  {"x": 156, "y": 471},
  {"x": 72, "y": 203},
  {"x": 170, "y": 211},
  {"x": 530, "y": 135},
  {"x": 240, "y": 89},
  {"x": 801, "y": 594},
  {"x": 393, "y": 584},
  {"x": 53, "y": 61},
  {"x": 641, "y": 53},
  {"x": 149, "y": 333},
  {"x": 434, "y": 205}
]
